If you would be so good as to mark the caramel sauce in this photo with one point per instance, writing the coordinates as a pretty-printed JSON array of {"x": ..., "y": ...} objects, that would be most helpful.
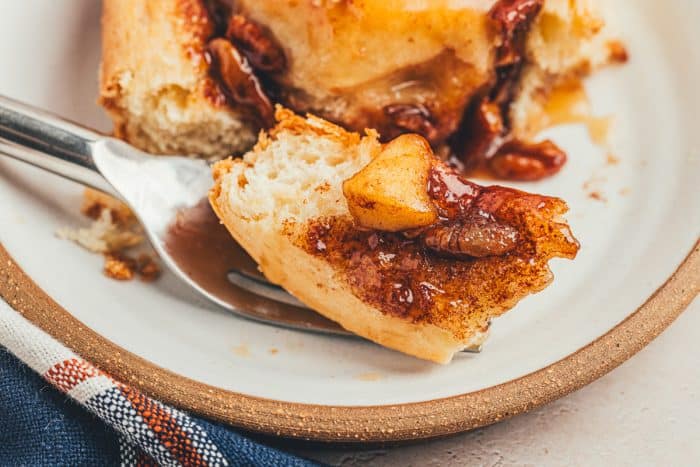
[
  {"x": 401, "y": 277},
  {"x": 237, "y": 81},
  {"x": 569, "y": 104},
  {"x": 427, "y": 98},
  {"x": 514, "y": 18},
  {"x": 206, "y": 252},
  {"x": 232, "y": 68},
  {"x": 257, "y": 43}
]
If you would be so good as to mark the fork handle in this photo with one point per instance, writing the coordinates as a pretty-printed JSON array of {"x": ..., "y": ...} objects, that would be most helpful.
[{"x": 49, "y": 142}]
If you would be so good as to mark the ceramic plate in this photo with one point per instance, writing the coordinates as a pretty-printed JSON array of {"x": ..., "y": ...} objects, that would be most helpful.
[{"x": 635, "y": 206}]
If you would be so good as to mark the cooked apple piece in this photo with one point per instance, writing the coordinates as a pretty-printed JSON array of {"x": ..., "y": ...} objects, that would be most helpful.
[{"x": 390, "y": 193}]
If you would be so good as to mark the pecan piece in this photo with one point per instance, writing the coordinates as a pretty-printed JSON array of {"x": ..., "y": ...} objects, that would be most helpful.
[
  {"x": 147, "y": 267},
  {"x": 483, "y": 133},
  {"x": 257, "y": 44},
  {"x": 475, "y": 237},
  {"x": 521, "y": 161},
  {"x": 232, "y": 71},
  {"x": 414, "y": 118},
  {"x": 119, "y": 266},
  {"x": 219, "y": 13},
  {"x": 514, "y": 18},
  {"x": 487, "y": 124}
]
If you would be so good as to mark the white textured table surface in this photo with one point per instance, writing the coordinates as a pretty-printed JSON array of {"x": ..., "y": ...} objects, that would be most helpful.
[{"x": 646, "y": 412}]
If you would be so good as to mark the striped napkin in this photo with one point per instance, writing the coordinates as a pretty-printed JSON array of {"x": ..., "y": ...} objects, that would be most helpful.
[{"x": 89, "y": 418}]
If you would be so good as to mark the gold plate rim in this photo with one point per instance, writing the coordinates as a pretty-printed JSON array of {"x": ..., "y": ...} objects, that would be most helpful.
[{"x": 375, "y": 424}]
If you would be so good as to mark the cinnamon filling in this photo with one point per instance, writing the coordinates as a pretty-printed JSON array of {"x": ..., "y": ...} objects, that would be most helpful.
[{"x": 489, "y": 247}]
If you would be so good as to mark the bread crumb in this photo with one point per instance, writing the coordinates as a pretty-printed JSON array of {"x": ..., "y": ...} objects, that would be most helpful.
[
  {"x": 96, "y": 202},
  {"x": 104, "y": 235},
  {"x": 122, "y": 267},
  {"x": 148, "y": 269},
  {"x": 324, "y": 187},
  {"x": 113, "y": 232},
  {"x": 119, "y": 267},
  {"x": 618, "y": 52},
  {"x": 273, "y": 351},
  {"x": 593, "y": 188},
  {"x": 598, "y": 196},
  {"x": 611, "y": 159}
]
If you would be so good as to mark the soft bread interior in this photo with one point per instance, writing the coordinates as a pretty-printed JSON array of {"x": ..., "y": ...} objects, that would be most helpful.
[
  {"x": 568, "y": 41},
  {"x": 155, "y": 84}
]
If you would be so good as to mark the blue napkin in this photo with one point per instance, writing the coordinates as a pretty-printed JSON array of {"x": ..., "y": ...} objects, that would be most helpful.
[{"x": 41, "y": 426}]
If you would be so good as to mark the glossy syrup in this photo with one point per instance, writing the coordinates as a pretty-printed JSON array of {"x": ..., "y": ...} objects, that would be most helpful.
[
  {"x": 569, "y": 103},
  {"x": 206, "y": 252}
]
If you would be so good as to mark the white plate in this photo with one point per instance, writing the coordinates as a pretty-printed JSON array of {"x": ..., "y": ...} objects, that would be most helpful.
[{"x": 631, "y": 243}]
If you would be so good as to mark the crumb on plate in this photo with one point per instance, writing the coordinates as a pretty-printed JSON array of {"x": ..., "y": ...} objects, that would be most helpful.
[{"x": 116, "y": 234}]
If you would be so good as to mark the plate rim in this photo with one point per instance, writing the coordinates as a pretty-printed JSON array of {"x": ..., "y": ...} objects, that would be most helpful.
[{"x": 373, "y": 424}]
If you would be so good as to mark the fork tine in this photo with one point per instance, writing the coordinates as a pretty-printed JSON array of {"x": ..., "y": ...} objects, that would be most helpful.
[{"x": 262, "y": 287}]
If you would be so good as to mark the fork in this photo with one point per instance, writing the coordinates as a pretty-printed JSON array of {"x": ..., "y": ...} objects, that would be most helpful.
[{"x": 157, "y": 189}]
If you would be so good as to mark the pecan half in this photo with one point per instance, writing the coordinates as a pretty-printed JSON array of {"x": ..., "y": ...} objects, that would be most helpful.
[
  {"x": 476, "y": 237},
  {"x": 232, "y": 71},
  {"x": 257, "y": 44},
  {"x": 521, "y": 161}
]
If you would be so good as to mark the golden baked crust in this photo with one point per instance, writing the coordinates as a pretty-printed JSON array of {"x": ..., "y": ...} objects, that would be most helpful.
[
  {"x": 144, "y": 37},
  {"x": 155, "y": 81}
]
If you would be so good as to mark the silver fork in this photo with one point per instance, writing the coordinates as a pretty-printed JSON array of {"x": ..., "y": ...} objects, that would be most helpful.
[{"x": 156, "y": 189}]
